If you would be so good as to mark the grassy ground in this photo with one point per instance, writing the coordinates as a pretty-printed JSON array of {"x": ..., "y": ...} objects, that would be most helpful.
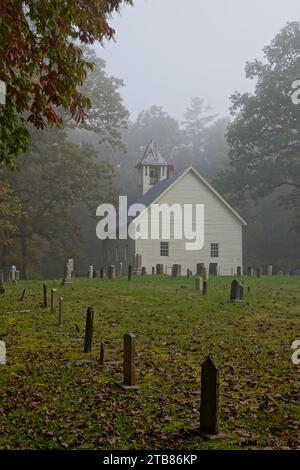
[{"x": 54, "y": 396}]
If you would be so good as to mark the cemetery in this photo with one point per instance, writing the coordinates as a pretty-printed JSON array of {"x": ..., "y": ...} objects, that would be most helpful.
[{"x": 139, "y": 362}]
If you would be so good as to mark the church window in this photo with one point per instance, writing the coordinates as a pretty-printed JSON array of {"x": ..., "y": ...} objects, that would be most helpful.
[
  {"x": 164, "y": 249},
  {"x": 214, "y": 250}
]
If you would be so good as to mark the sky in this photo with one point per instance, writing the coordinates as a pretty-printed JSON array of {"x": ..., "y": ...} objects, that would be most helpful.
[{"x": 168, "y": 51}]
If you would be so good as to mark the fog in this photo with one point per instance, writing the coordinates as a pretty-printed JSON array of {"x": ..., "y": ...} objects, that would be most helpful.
[{"x": 168, "y": 50}]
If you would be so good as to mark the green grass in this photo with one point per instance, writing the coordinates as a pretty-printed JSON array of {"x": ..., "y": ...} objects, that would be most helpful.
[{"x": 54, "y": 396}]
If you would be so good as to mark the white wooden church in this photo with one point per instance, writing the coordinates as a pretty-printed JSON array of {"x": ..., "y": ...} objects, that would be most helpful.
[{"x": 222, "y": 252}]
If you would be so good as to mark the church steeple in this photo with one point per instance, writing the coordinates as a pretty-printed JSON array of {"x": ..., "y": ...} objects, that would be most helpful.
[{"x": 152, "y": 168}]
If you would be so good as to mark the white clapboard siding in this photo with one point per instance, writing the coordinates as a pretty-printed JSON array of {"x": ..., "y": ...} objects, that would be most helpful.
[{"x": 221, "y": 226}]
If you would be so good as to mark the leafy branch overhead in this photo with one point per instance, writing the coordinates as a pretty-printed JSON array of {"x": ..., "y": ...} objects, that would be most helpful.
[{"x": 42, "y": 63}]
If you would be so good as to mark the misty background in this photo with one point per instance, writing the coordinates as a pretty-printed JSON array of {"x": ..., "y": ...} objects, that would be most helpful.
[{"x": 169, "y": 76}]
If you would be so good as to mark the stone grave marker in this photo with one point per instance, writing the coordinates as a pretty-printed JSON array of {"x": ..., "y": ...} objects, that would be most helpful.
[
  {"x": 259, "y": 272},
  {"x": 68, "y": 272},
  {"x": 129, "y": 381},
  {"x": 13, "y": 271},
  {"x": 239, "y": 271},
  {"x": 112, "y": 272},
  {"x": 205, "y": 288},
  {"x": 129, "y": 272},
  {"x": 159, "y": 269},
  {"x": 144, "y": 271},
  {"x": 61, "y": 313},
  {"x": 236, "y": 291},
  {"x": 91, "y": 272},
  {"x": 102, "y": 355},
  {"x": 53, "y": 300},
  {"x": 199, "y": 284},
  {"x": 102, "y": 273},
  {"x": 270, "y": 270},
  {"x": 209, "y": 406},
  {"x": 153, "y": 271},
  {"x": 89, "y": 330},
  {"x": 45, "y": 296},
  {"x": 2, "y": 353}
]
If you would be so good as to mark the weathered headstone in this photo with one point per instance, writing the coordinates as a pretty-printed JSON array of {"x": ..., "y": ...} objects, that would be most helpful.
[
  {"x": 13, "y": 271},
  {"x": 53, "y": 300},
  {"x": 270, "y": 270},
  {"x": 236, "y": 291},
  {"x": 120, "y": 269},
  {"x": 112, "y": 272},
  {"x": 159, "y": 269},
  {"x": 2, "y": 353},
  {"x": 259, "y": 272},
  {"x": 91, "y": 272},
  {"x": 199, "y": 269},
  {"x": 205, "y": 288},
  {"x": 102, "y": 355},
  {"x": 2, "y": 289},
  {"x": 129, "y": 272},
  {"x": 144, "y": 271},
  {"x": 199, "y": 284},
  {"x": 239, "y": 271},
  {"x": 153, "y": 271},
  {"x": 129, "y": 381},
  {"x": 68, "y": 272},
  {"x": 61, "y": 317},
  {"x": 45, "y": 296},
  {"x": 209, "y": 406},
  {"x": 89, "y": 330},
  {"x": 102, "y": 273},
  {"x": 250, "y": 271}
]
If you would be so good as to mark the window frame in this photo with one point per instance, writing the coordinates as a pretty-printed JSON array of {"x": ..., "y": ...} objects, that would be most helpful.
[
  {"x": 164, "y": 249},
  {"x": 215, "y": 250}
]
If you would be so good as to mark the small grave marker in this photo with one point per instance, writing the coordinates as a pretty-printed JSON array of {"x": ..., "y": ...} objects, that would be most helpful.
[
  {"x": 61, "y": 318},
  {"x": 144, "y": 272},
  {"x": 2, "y": 353},
  {"x": 89, "y": 330},
  {"x": 112, "y": 272},
  {"x": 45, "y": 296},
  {"x": 53, "y": 300},
  {"x": 270, "y": 270},
  {"x": 205, "y": 288},
  {"x": 209, "y": 407},
  {"x": 236, "y": 291},
  {"x": 129, "y": 272},
  {"x": 102, "y": 355},
  {"x": 129, "y": 381}
]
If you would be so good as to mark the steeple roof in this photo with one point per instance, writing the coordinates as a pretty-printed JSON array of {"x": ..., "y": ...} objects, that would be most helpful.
[{"x": 152, "y": 156}]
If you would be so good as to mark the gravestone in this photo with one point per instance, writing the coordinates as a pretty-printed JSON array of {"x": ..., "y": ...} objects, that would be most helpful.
[
  {"x": 159, "y": 269},
  {"x": 209, "y": 406},
  {"x": 144, "y": 272},
  {"x": 102, "y": 355},
  {"x": 91, "y": 272},
  {"x": 2, "y": 353},
  {"x": 120, "y": 269},
  {"x": 45, "y": 296},
  {"x": 89, "y": 330},
  {"x": 53, "y": 300},
  {"x": 2, "y": 289},
  {"x": 239, "y": 271},
  {"x": 199, "y": 284},
  {"x": 102, "y": 273},
  {"x": 270, "y": 270},
  {"x": 250, "y": 271},
  {"x": 199, "y": 269},
  {"x": 213, "y": 269},
  {"x": 153, "y": 271},
  {"x": 112, "y": 272},
  {"x": 205, "y": 288},
  {"x": 236, "y": 291},
  {"x": 188, "y": 273},
  {"x": 259, "y": 272},
  {"x": 68, "y": 272},
  {"x": 129, "y": 272},
  {"x": 61, "y": 318},
  {"x": 129, "y": 381},
  {"x": 13, "y": 270}
]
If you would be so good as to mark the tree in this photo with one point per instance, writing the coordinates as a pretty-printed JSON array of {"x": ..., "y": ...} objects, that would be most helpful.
[
  {"x": 196, "y": 125},
  {"x": 55, "y": 176},
  {"x": 9, "y": 209},
  {"x": 42, "y": 63},
  {"x": 264, "y": 136}
]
